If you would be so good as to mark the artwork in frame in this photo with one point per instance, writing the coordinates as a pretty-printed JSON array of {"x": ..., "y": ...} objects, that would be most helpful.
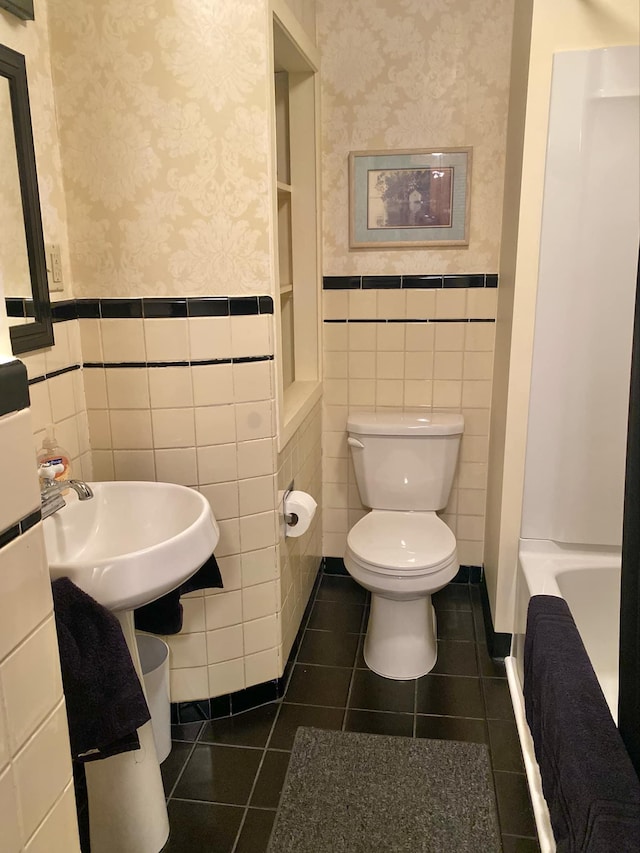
[
  {"x": 405, "y": 199},
  {"x": 20, "y": 8}
]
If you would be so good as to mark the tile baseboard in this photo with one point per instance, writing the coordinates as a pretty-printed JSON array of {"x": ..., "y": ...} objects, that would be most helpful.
[{"x": 498, "y": 643}]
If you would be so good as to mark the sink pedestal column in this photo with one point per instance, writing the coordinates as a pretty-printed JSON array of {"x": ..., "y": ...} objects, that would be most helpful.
[{"x": 127, "y": 807}]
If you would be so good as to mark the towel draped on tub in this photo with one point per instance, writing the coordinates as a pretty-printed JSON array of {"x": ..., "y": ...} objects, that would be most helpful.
[
  {"x": 104, "y": 698},
  {"x": 588, "y": 780}
]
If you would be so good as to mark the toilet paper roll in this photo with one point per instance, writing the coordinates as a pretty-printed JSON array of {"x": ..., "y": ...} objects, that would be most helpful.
[{"x": 301, "y": 507}]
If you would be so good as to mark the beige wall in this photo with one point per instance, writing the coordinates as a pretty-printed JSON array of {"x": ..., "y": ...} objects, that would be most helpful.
[
  {"x": 32, "y": 40},
  {"x": 402, "y": 76},
  {"x": 162, "y": 113},
  {"x": 414, "y": 75},
  {"x": 556, "y": 25}
]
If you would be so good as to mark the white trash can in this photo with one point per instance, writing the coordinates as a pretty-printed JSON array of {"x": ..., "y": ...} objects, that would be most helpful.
[{"x": 154, "y": 660}]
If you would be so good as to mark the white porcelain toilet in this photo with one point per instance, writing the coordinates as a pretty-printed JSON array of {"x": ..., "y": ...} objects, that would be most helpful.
[{"x": 401, "y": 551}]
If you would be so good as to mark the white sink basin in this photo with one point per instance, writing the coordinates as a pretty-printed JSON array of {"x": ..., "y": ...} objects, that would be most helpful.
[{"x": 132, "y": 542}]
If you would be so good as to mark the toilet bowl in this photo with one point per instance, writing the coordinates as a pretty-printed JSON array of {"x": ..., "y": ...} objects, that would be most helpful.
[
  {"x": 402, "y": 558},
  {"x": 401, "y": 551}
]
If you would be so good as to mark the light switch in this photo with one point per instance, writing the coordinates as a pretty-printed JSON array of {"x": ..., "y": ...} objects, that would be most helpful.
[{"x": 54, "y": 267}]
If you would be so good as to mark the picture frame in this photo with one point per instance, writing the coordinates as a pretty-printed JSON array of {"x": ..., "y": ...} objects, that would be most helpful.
[
  {"x": 409, "y": 199},
  {"x": 20, "y": 8}
]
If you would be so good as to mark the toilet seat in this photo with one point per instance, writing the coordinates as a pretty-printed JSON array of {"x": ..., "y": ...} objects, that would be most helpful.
[{"x": 407, "y": 543}]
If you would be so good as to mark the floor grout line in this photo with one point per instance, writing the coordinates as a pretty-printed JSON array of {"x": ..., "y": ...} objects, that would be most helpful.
[
  {"x": 184, "y": 766},
  {"x": 255, "y": 778},
  {"x": 354, "y": 669}
]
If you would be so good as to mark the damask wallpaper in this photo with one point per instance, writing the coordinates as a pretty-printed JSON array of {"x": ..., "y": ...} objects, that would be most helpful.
[
  {"x": 162, "y": 109},
  {"x": 14, "y": 264},
  {"x": 32, "y": 40},
  {"x": 411, "y": 74}
]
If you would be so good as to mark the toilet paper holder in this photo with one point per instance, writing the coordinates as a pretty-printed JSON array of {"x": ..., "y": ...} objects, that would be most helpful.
[{"x": 290, "y": 518}]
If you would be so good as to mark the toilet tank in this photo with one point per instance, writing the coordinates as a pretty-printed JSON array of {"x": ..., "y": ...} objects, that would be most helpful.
[{"x": 404, "y": 460}]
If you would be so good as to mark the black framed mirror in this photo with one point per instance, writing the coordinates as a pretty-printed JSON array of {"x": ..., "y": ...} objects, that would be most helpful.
[
  {"x": 20, "y": 8},
  {"x": 22, "y": 257}
]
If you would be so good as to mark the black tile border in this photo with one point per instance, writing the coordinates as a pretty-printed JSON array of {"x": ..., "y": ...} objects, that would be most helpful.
[
  {"x": 245, "y": 359},
  {"x": 415, "y": 320},
  {"x": 164, "y": 308},
  {"x": 381, "y": 282},
  {"x": 22, "y": 526},
  {"x": 468, "y": 574},
  {"x": 405, "y": 282},
  {"x": 498, "y": 643},
  {"x": 43, "y": 377},
  {"x": 63, "y": 310},
  {"x": 334, "y": 566},
  {"x": 14, "y": 387},
  {"x": 229, "y": 704},
  {"x": 422, "y": 282},
  {"x": 17, "y": 306},
  {"x": 149, "y": 307},
  {"x": 8, "y": 535},
  {"x": 251, "y": 697},
  {"x": 125, "y": 309},
  {"x": 88, "y": 365}
]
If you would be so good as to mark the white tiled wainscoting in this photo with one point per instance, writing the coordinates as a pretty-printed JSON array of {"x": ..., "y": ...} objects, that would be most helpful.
[{"x": 37, "y": 804}]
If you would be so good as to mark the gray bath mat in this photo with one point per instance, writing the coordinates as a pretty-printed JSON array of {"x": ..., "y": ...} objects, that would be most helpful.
[{"x": 347, "y": 792}]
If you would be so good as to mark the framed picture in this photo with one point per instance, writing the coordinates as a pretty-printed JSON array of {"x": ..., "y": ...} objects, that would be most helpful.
[
  {"x": 20, "y": 8},
  {"x": 404, "y": 199}
]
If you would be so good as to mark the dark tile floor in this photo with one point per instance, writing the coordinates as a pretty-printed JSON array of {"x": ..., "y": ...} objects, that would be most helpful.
[{"x": 223, "y": 778}]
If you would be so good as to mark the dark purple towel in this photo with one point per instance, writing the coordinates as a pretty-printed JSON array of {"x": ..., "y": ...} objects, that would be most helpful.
[
  {"x": 164, "y": 615},
  {"x": 588, "y": 780},
  {"x": 105, "y": 702}
]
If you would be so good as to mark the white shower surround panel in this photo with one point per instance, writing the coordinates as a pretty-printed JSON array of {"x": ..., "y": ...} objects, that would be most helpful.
[
  {"x": 574, "y": 480},
  {"x": 576, "y": 442}
]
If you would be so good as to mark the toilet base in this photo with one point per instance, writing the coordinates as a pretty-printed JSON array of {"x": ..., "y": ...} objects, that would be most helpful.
[{"x": 401, "y": 637}]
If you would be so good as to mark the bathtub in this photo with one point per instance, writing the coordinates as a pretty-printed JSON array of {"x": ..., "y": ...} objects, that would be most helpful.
[{"x": 589, "y": 581}]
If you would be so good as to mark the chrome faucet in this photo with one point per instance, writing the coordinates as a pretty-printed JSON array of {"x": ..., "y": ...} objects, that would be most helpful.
[{"x": 51, "y": 499}]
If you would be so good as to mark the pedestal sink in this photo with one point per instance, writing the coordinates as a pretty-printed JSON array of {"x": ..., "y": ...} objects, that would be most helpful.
[{"x": 127, "y": 546}]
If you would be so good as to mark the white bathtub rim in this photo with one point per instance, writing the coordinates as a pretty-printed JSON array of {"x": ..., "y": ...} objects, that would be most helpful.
[
  {"x": 536, "y": 555},
  {"x": 534, "y": 780},
  {"x": 542, "y": 561}
]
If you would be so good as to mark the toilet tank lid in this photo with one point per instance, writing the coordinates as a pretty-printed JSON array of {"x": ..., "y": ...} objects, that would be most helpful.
[{"x": 405, "y": 423}]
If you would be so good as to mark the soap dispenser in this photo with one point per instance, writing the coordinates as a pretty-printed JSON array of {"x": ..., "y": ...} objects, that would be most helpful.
[{"x": 52, "y": 454}]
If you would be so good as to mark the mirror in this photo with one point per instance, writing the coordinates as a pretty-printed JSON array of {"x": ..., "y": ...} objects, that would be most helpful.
[{"x": 23, "y": 268}]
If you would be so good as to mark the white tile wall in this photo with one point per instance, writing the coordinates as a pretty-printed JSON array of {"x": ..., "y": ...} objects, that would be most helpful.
[
  {"x": 60, "y": 400},
  {"x": 444, "y": 366},
  {"x": 37, "y": 806},
  {"x": 212, "y": 427},
  {"x": 300, "y": 461}
]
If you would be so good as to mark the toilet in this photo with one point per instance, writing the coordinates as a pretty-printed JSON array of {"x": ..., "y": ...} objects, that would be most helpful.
[{"x": 401, "y": 551}]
